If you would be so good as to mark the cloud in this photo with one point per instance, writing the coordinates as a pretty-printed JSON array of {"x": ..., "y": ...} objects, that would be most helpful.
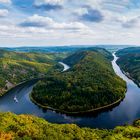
[
  {"x": 127, "y": 21},
  {"x": 87, "y": 13},
  {"x": 3, "y": 12},
  {"x": 49, "y": 24},
  {"x": 69, "y": 22},
  {"x": 48, "y": 7},
  {"x": 49, "y": 4},
  {"x": 131, "y": 23},
  {"x": 37, "y": 21},
  {"x": 81, "y": 11},
  {"x": 5, "y": 1}
]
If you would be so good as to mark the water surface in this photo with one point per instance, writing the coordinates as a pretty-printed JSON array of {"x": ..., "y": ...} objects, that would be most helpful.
[{"x": 66, "y": 67}]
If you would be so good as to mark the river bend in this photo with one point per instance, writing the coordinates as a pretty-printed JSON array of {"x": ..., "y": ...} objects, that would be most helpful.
[{"x": 126, "y": 112}]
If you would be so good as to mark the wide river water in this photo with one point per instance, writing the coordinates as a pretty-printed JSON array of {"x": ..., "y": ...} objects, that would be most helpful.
[{"x": 125, "y": 112}]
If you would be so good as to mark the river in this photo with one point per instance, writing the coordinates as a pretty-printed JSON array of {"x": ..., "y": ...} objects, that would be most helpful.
[
  {"x": 126, "y": 112},
  {"x": 66, "y": 67}
]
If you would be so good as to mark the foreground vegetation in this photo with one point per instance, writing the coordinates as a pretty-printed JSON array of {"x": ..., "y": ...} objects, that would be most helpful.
[
  {"x": 129, "y": 61},
  {"x": 18, "y": 67},
  {"x": 26, "y": 127},
  {"x": 89, "y": 84}
]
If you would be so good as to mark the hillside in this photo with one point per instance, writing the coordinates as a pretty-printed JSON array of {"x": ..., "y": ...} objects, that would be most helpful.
[
  {"x": 90, "y": 83},
  {"x": 130, "y": 50},
  {"x": 26, "y": 127},
  {"x": 32, "y": 56},
  {"x": 129, "y": 61},
  {"x": 79, "y": 55},
  {"x": 18, "y": 67}
]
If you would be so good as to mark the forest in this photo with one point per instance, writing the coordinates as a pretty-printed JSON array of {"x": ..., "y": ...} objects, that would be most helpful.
[
  {"x": 129, "y": 61},
  {"x": 17, "y": 67},
  {"x": 27, "y": 127},
  {"x": 90, "y": 83}
]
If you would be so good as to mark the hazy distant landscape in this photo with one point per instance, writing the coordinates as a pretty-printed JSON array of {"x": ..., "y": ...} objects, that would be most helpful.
[{"x": 70, "y": 48}]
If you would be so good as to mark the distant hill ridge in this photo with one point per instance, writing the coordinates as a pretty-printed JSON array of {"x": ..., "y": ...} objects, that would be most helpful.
[{"x": 65, "y": 48}]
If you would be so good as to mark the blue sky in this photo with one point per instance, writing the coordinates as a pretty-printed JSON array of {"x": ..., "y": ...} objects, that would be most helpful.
[{"x": 69, "y": 22}]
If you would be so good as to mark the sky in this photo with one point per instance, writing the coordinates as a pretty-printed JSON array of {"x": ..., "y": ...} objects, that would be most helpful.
[{"x": 69, "y": 22}]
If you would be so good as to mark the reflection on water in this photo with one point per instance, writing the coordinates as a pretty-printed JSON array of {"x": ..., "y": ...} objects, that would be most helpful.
[{"x": 127, "y": 111}]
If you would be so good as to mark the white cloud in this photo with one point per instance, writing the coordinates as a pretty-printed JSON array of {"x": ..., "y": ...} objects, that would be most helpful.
[
  {"x": 130, "y": 22},
  {"x": 48, "y": 23},
  {"x": 5, "y": 1},
  {"x": 81, "y": 11},
  {"x": 52, "y": 2},
  {"x": 3, "y": 12}
]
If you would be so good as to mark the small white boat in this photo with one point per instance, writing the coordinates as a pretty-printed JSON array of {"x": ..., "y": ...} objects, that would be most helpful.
[{"x": 15, "y": 99}]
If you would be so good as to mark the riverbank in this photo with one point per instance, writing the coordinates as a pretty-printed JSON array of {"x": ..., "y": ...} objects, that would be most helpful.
[
  {"x": 134, "y": 80},
  {"x": 129, "y": 62},
  {"x": 66, "y": 67},
  {"x": 129, "y": 76},
  {"x": 78, "y": 112},
  {"x": 24, "y": 82}
]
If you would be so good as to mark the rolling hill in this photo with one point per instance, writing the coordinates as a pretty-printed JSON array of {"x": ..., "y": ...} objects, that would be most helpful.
[{"x": 90, "y": 83}]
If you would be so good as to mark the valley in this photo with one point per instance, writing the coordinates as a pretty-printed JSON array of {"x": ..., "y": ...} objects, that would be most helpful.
[{"x": 98, "y": 61}]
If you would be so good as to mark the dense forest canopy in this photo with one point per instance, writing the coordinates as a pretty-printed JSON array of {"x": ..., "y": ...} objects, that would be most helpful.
[
  {"x": 26, "y": 127},
  {"x": 89, "y": 83},
  {"x": 129, "y": 61}
]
